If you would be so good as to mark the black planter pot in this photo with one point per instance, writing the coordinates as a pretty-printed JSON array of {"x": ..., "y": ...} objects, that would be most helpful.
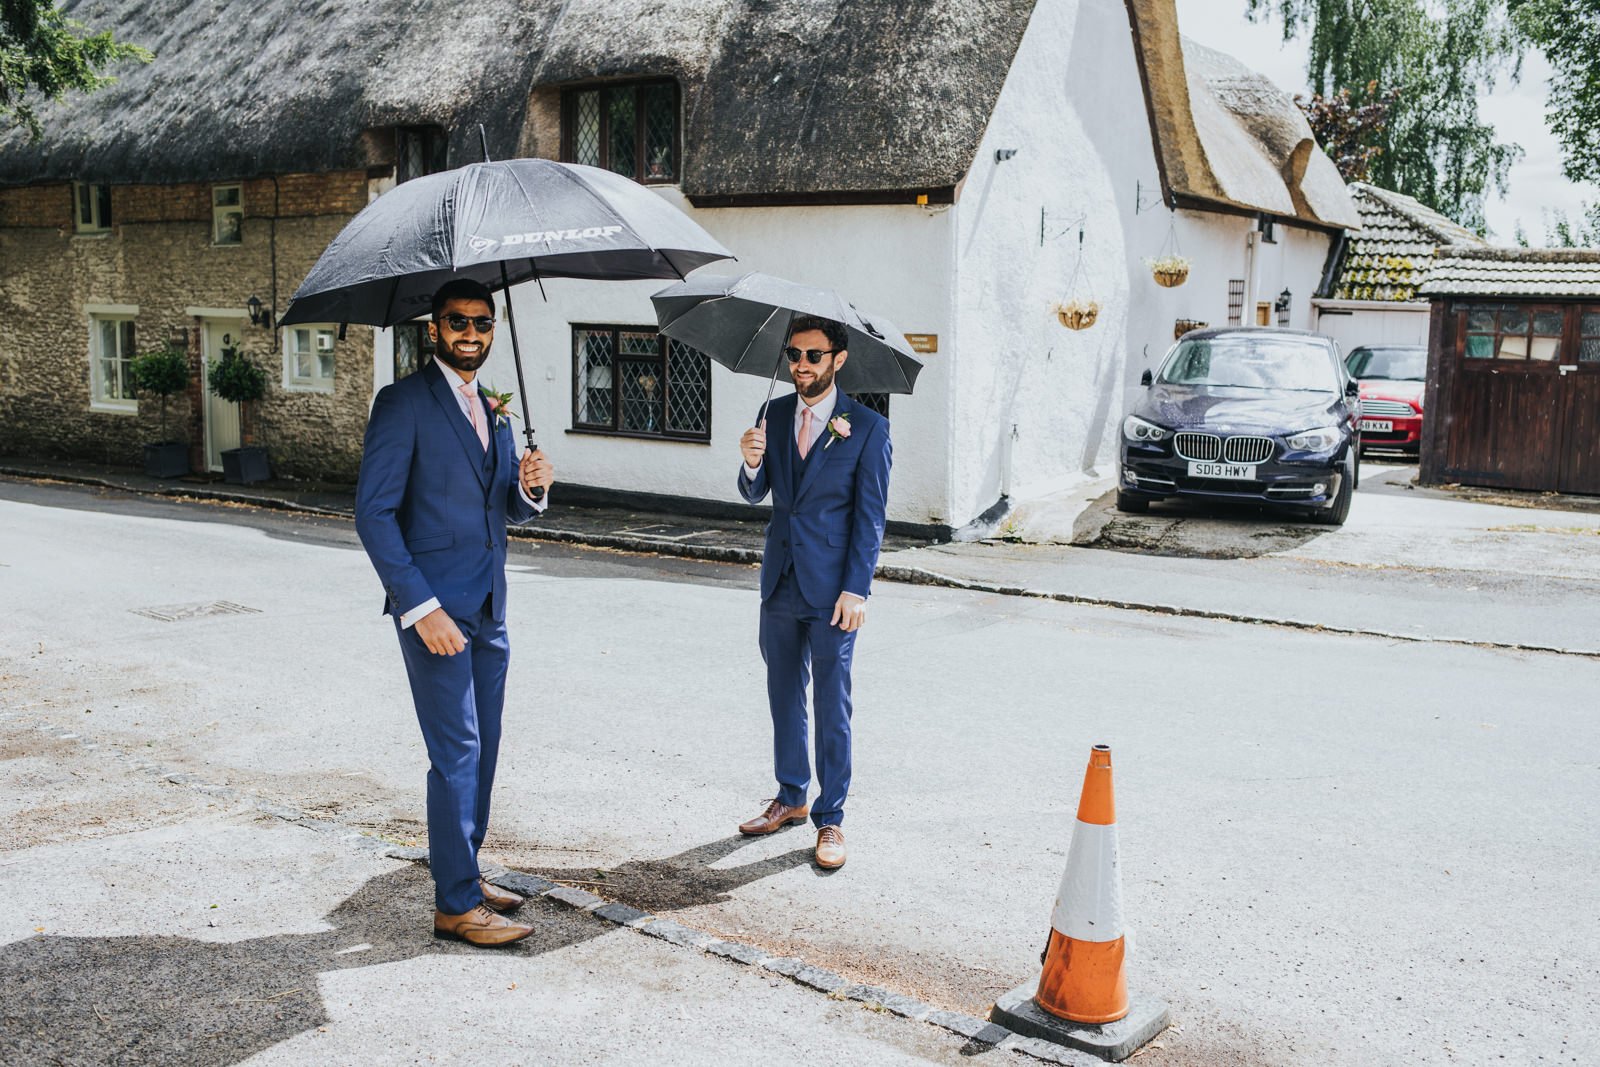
[
  {"x": 243, "y": 466},
  {"x": 170, "y": 459}
]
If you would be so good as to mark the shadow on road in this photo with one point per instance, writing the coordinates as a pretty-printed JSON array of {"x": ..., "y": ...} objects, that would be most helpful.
[
  {"x": 686, "y": 880},
  {"x": 97, "y": 1000}
]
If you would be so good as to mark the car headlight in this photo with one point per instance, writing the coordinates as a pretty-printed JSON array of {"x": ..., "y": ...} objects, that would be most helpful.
[
  {"x": 1136, "y": 429},
  {"x": 1320, "y": 439}
]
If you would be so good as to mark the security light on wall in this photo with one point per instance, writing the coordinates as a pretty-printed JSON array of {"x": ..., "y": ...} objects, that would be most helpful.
[{"x": 258, "y": 316}]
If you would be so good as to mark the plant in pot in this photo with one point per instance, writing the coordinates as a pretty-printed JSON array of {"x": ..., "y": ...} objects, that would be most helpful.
[
  {"x": 1169, "y": 270},
  {"x": 238, "y": 380},
  {"x": 163, "y": 372}
]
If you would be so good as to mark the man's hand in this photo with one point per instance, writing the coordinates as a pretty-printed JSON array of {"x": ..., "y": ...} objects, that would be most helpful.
[
  {"x": 754, "y": 444},
  {"x": 440, "y": 633},
  {"x": 536, "y": 471},
  {"x": 849, "y": 613}
]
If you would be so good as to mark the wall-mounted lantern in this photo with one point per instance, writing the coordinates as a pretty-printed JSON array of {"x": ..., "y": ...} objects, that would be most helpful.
[{"x": 259, "y": 316}]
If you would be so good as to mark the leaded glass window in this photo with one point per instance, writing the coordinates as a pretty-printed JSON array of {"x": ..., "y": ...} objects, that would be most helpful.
[
  {"x": 631, "y": 129},
  {"x": 878, "y": 402},
  {"x": 1514, "y": 331},
  {"x": 1589, "y": 335},
  {"x": 633, "y": 381}
]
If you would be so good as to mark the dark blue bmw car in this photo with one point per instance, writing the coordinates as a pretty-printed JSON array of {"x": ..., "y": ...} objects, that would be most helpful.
[{"x": 1255, "y": 414}]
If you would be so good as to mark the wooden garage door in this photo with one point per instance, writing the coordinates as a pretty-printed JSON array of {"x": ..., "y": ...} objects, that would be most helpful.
[{"x": 1580, "y": 382}]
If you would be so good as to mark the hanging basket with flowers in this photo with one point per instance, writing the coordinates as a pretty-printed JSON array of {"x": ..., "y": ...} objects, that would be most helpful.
[
  {"x": 1078, "y": 310},
  {"x": 1169, "y": 271}
]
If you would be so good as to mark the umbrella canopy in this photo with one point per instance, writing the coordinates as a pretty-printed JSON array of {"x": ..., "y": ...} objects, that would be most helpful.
[
  {"x": 500, "y": 223},
  {"x": 743, "y": 323}
]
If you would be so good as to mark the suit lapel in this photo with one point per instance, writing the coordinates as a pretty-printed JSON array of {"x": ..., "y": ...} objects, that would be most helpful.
[
  {"x": 819, "y": 451},
  {"x": 780, "y": 427},
  {"x": 446, "y": 399}
]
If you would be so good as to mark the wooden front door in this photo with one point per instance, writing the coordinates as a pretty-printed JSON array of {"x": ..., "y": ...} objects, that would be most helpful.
[
  {"x": 1524, "y": 406},
  {"x": 1580, "y": 381},
  {"x": 222, "y": 418}
]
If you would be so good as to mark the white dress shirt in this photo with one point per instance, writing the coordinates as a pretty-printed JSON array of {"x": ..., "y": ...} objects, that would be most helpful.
[{"x": 455, "y": 382}]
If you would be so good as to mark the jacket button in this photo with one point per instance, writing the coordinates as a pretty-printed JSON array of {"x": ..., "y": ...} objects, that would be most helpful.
[{"x": 488, "y": 544}]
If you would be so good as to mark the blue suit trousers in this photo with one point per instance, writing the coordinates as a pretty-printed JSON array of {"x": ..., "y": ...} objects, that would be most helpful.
[
  {"x": 459, "y": 700},
  {"x": 798, "y": 646}
]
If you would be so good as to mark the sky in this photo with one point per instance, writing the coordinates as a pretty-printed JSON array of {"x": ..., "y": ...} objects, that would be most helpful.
[{"x": 1516, "y": 112}]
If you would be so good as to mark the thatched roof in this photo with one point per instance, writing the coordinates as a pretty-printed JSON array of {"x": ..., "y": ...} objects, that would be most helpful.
[
  {"x": 780, "y": 96},
  {"x": 1390, "y": 255},
  {"x": 1225, "y": 135},
  {"x": 1520, "y": 272}
]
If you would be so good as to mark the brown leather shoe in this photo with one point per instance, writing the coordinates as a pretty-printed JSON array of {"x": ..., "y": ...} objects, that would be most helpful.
[
  {"x": 830, "y": 847},
  {"x": 480, "y": 926},
  {"x": 499, "y": 899},
  {"x": 776, "y": 817}
]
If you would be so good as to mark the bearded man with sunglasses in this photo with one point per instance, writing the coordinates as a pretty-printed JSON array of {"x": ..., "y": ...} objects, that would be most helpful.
[
  {"x": 828, "y": 473},
  {"x": 439, "y": 480}
]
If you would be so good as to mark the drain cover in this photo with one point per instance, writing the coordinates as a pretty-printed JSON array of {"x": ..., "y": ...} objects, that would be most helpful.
[{"x": 184, "y": 612}]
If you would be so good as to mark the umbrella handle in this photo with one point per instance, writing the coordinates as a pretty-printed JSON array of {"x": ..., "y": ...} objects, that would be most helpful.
[{"x": 773, "y": 384}]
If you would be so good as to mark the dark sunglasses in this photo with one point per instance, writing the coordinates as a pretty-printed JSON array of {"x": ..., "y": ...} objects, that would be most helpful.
[
  {"x": 458, "y": 323},
  {"x": 813, "y": 355}
]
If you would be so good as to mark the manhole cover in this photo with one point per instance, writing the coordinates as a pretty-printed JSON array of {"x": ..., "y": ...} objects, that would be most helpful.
[{"x": 184, "y": 612}]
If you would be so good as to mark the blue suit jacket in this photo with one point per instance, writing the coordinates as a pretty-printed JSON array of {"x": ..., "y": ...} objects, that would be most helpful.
[
  {"x": 828, "y": 510},
  {"x": 431, "y": 503}
]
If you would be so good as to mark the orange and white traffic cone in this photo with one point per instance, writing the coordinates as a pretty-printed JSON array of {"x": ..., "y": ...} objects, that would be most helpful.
[
  {"x": 1083, "y": 978},
  {"x": 1081, "y": 997}
]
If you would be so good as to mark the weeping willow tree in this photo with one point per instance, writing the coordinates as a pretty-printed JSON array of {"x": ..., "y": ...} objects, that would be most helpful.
[
  {"x": 1427, "y": 60},
  {"x": 1569, "y": 33}
]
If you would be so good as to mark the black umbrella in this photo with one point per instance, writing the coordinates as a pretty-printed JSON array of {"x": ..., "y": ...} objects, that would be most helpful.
[
  {"x": 499, "y": 223},
  {"x": 743, "y": 323}
]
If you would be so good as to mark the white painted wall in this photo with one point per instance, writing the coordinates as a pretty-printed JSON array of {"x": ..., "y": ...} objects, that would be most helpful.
[
  {"x": 890, "y": 260},
  {"x": 1366, "y": 322},
  {"x": 1038, "y": 407}
]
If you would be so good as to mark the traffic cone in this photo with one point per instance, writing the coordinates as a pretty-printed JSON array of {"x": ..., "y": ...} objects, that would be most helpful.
[
  {"x": 1080, "y": 998},
  {"x": 1083, "y": 978}
]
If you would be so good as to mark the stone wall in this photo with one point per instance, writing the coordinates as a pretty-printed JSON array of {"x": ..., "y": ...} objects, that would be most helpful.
[{"x": 159, "y": 258}]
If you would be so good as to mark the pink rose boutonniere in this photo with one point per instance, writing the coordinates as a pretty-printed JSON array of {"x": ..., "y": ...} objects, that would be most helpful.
[
  {"x": 838, "y": 429},
  {"x": 499, "y": 406}
]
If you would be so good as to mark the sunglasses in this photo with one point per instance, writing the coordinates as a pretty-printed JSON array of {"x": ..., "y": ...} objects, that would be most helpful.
[
  {"x": 813, "y": 355},
  {"x": 458, "y": 323}
]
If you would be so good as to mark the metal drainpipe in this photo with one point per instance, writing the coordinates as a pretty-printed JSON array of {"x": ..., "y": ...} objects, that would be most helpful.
[{"x": 1247, "y": 316}]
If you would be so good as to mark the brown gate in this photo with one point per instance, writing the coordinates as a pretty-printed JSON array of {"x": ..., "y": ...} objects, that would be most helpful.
[{"x": 1517, "y": 396}]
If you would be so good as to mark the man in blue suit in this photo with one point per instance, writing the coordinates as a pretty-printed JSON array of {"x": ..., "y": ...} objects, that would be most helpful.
[
  {"x": 828, "y": 473},
  {"x": 439, "y": 480}
]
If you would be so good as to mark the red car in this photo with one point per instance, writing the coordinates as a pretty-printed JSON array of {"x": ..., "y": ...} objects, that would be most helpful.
[{"x": 1392, "y": 379}]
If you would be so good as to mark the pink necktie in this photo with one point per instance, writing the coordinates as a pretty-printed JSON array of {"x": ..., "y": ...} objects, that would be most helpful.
[
  {"x": 475, "y": 413},
  {"x": 805, "y": 431}
]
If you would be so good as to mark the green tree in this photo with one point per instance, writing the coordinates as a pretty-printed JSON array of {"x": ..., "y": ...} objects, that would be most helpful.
[
  {"x": 45, "y": 54},
  {"x": 1581, "y": 232},
  {"x": 1434, "y": 57},
  {"x": 1568, "y": 32}
]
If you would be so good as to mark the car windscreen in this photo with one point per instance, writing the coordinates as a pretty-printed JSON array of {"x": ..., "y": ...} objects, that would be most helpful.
[
  {"x": 1251, "y": 363},
  {"x": 1396, "y": 364}
]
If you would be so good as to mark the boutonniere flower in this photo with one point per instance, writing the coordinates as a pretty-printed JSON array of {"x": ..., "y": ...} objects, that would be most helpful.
[
  {"x": 499, "y": 406},
  {"x": 838, "y": 429}
]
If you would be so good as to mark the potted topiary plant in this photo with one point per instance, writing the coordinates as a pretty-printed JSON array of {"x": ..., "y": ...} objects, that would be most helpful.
[
  {"x": 163, "y": 372},
  {"x": 238, "y": 380}
]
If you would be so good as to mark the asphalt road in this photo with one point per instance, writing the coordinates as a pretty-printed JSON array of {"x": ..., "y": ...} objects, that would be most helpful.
[{"x": 1336, "y": 850}]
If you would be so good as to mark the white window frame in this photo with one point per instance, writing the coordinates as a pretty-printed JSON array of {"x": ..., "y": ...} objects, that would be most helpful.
[
  {"x": 316, "y": 382},
  {"x": 99, "y": 314},
  {"x": 96, "y": 222},
  {"x": 219, "y": 212}
]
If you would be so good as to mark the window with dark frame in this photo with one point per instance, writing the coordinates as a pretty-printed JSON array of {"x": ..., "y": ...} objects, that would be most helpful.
[
  {"x": 1523, "y": 332},
  {"x": 412, "y": 348},
  {"x": 418, "y": 150},
  {"x": 91, "y": 207},
  {"x": 878, "y": 402},
  {"x": 631, "y": 129},
  {"x": 631, "y": 381},
  {"x": 1589, "y": 334},
  {"x": 1236, "y": 302}
]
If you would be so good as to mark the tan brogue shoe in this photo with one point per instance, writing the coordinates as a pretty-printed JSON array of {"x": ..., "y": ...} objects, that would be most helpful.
[
  {"x": 776, "y": 817},
  {"x": 480, "y": 926},
  {"x": 830, "y": 848},
  {"x": 499, "y": 899}
]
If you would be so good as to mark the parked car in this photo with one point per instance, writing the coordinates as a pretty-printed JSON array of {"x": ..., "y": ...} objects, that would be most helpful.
[
  {"x": 1391, "y": 378},
  {"x": 1246, "y": 414}
]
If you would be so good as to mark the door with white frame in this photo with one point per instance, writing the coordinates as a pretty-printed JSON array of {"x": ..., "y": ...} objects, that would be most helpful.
[{"x": 222, "y": 417}]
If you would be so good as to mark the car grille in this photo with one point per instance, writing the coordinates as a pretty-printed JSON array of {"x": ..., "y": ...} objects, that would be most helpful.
[
  {"x": 1387, "y": 407},
  {"x": 1208, "y": 447},
  {"x": 1247, "y": 449},
  {"x": 1198, "y": 446}
]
